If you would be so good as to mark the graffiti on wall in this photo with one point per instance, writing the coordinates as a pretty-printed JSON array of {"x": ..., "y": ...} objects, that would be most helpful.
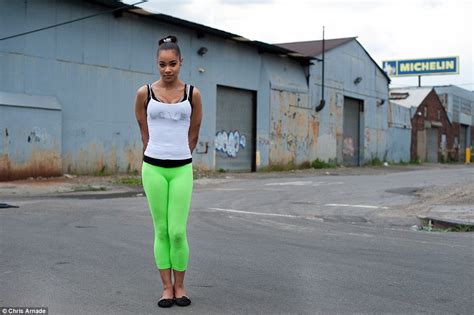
[
  {"x": 230, "y": 143},
  {"x": 38, "y": 135},
  {"x": 348, "y": 147}
]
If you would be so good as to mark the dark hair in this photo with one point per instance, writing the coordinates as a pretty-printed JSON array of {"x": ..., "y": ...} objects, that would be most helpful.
[{"x": 169, "y": 42}]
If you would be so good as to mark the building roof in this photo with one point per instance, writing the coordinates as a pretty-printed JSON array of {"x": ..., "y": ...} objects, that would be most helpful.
[
  {"x": 409, "y": 97},
  {"x": 201, "y": 30},
  {"x": 315, "y": 47}
]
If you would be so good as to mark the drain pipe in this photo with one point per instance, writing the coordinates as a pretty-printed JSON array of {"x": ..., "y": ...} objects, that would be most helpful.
[{"x": 322, "y": 102}]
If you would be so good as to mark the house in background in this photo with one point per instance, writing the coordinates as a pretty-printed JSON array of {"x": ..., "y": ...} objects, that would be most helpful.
[
  {"x": 431, "y": 131},
  {"x": 352, "y": 126}
]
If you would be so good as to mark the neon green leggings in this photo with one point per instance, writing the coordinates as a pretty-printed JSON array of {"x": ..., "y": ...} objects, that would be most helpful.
[{"x": 168, "y": 191}]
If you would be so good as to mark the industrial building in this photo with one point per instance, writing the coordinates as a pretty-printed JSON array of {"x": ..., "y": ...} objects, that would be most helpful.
[
  {"x": 352, "y": 125},
  {"x": 67, "y": 93}
]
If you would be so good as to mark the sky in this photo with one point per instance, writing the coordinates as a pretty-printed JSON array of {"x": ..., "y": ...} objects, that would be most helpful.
[{"x": 388, "y": 29}]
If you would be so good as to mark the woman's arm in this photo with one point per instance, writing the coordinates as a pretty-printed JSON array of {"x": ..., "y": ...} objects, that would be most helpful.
[
  {"x": 140, "y": 114},
  {"x": 196, "y": 117}
]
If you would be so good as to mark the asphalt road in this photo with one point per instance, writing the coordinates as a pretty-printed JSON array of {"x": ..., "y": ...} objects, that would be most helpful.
[{"x": 273, "y": 245}]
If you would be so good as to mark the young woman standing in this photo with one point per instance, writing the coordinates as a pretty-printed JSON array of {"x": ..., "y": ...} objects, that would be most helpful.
[{"x": 169, "y": 115}]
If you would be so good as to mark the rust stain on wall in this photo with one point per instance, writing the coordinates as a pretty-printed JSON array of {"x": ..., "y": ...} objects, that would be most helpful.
[
  {"x": 133, "y": 157},
  {"x": 294, "y": 132},
  {"x": 94, "y": 158},
  {"x": 40, "y": 163},
  {"x": 314, "y": 130}
]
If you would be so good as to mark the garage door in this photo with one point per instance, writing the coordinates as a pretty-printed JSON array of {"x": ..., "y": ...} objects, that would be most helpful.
[
  {"x": 235, "y": 137},
  {"x": 432, "y": 145},
  {"x": 351, "y": 129}
]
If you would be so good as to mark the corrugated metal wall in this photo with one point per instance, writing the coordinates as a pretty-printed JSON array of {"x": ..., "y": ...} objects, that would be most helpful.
[
  {"x": 30, "y": 136},
  {"x": 294, "y": 128},
  {"x": 398, "y": 133},
  {"x": 94, "y": 67},
  {"x": 459, "y": 104},
  {"x": 344, "y": 65}
]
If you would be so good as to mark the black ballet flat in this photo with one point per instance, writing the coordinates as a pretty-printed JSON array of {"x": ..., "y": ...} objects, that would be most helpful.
[
  {"x": 182, "y": 301},
  {"x": 165, "y": 303}
]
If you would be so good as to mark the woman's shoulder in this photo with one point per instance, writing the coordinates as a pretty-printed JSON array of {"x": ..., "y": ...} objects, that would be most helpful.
[
  {"x": 195, "y": 89},
  {"x": 143, "y": 90}
]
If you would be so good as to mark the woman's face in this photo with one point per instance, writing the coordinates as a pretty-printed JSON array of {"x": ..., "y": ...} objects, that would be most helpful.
[{"x": 169, "y": 65}]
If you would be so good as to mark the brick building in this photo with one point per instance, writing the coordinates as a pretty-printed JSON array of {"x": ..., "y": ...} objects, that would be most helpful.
[{"x": 432, "y": 133}]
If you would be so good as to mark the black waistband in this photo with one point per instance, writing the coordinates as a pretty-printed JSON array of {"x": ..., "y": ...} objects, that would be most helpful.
[{"x": 166, "y": 163}]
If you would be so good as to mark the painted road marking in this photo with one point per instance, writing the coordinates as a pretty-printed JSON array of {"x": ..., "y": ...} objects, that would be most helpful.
[
  {"x": 265, "y": 214},
  {"x": 327, "y": 184},
  {"x": 354, "y": 206},
  {"x": 304, "y": 183},
  {"x": 300, "y": 183}
]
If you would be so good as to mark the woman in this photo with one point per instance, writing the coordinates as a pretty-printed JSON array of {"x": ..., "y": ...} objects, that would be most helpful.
[{"x": 169, "y": 115}]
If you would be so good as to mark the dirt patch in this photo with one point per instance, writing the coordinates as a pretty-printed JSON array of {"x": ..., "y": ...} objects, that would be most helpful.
[{"x": 430, "y": 197}]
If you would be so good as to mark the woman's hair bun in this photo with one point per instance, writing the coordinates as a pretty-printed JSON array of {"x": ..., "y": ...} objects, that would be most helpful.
[{"x": 168, "y": 39}]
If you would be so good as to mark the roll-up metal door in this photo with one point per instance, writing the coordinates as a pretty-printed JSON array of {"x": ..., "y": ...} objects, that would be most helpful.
[
  {"x": 351, "y": 130},
  {"x": 235, "y": 129},
  {"x": 432, "y": 145},
  {"x": 421, "y": 145}
]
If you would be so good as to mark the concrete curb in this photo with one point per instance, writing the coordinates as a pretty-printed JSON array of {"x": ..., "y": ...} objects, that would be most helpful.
[{"x": 450, "y": 215}]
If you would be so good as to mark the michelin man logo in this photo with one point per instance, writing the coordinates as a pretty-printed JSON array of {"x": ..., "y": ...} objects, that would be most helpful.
[
  {"x": 390, "y": 67},
  {"x": 229, "y": 143}
]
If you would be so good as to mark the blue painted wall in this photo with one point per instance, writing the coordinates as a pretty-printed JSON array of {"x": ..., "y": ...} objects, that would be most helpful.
[
  {"x": 398, "y": 133},
  {"x": 94, "y": 67},
  {"x": 30, "y": 136},
  {"x": 343, "y": 65}
]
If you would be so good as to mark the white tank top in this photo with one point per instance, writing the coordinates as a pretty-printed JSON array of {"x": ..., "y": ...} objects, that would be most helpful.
[{"x": 168, "y": 126}]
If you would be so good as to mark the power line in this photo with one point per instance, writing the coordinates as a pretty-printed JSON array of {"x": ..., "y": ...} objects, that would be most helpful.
[{"x": 72, "y": 21}]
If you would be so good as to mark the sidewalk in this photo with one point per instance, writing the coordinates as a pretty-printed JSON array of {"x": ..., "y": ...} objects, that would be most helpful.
[{"x": 69, "y": 186}]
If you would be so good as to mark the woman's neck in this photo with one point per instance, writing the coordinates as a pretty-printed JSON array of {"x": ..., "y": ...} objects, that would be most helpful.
[{"x": 170, "y": 85}]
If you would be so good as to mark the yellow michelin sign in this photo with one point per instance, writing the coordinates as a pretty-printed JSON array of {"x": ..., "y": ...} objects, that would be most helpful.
[{"x": 426, "y": 66}]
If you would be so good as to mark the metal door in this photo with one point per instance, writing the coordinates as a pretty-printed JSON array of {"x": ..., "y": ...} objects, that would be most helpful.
[
  {"x": 235, "y": 129},
  {"x": 421, "y": 145},
  {"x": 351, "y": 130},
  {"x": 432, "y": 145}
]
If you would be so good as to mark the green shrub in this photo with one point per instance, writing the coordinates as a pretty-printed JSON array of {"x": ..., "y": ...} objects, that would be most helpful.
[
  {"x": 318, "y": 164},
  {"x": 375, "y": 162}
]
